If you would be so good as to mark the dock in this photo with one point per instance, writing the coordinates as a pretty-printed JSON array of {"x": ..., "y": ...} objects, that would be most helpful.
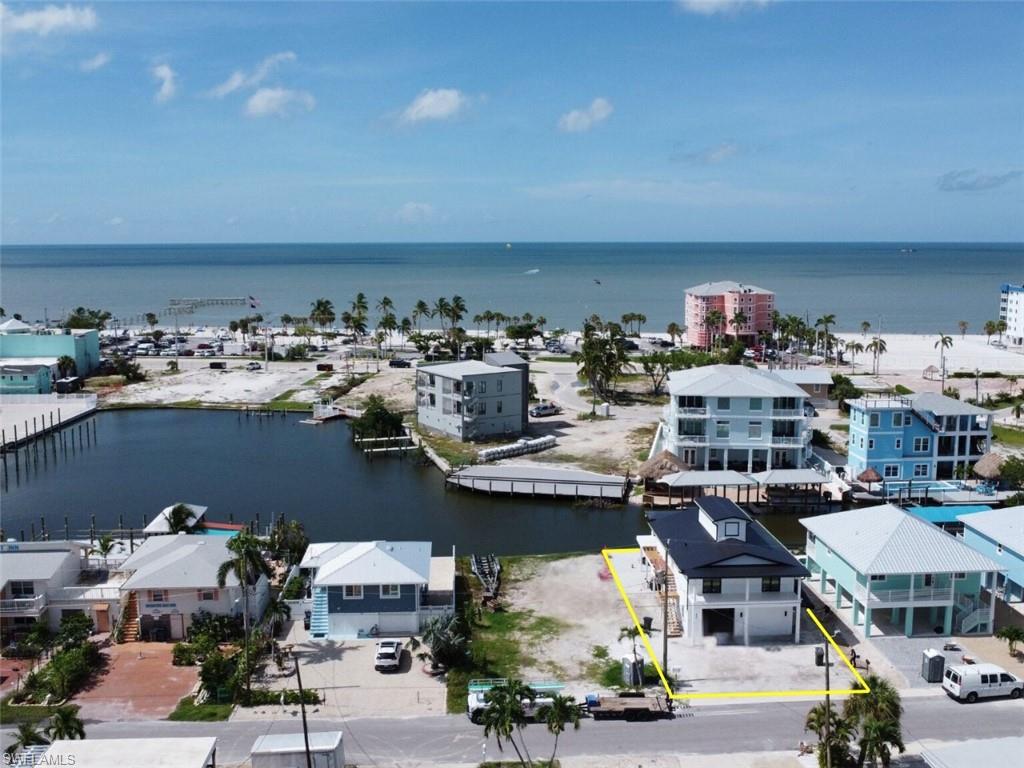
[
  {"x": 530, "y": 480},
  {"x": 24, "y": 418}
]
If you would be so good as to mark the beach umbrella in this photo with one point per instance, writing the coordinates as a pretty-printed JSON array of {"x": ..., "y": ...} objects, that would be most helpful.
[
  {"x": 869, "y": 476},
  {"x": 989, "y": 466},
  {"x": 661, "y": 464}
]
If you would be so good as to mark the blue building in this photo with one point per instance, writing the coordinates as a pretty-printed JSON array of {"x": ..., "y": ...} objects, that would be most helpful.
[
  {"x": 26, "y": 376},
  {"x": 21, "y": 342},
  {"x": 916, "y": 437},
  {"x": 999, "y": 534},
  {"x": 391, "y": 587}
]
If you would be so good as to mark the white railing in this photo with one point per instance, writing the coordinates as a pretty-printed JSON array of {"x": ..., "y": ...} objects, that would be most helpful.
[
  {"x": 692, "y": 439},
  {"x": 693, "y": 411},
  {"x": 428, "y": 612},
  {"x": 973, "y": 619},
  {"x": 34, "y": 604},
  {"x": 922, "y": 595},
  {"x": 70, "y": 594},
  {"x": 787, "y": 412},
  {"x": 44, "y": 399}
]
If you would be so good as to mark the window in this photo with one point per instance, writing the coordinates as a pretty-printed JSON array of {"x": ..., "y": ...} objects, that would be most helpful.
[
  {"x": 999, "y": 549},
  {"x": 723, "y": 404},
  {"x": 771, "y": 584},
  {"x": 482, "y": 387},
  {"x": 353, "y": 592},
  {"x": 922, "y": 444},
  {"x": 721, "y": 429},
  {"x": 756, "y": 403},
  {"x": 985, "y": 679},
  {"x": 874, "y": 420},
  {"x": 497, "y": 406},
  {"x": 907, "y": 421},
  {"x": 711, "y": 586},
  {"x": 891, "y": 470},
  {"x": 498, "y": 384},
  {"x": 897, "y": 419},
  {"x": 920, "y": 470},
  {"x": 898, "y": 444},
  {"x": 1005, "y": 678},
  {"x": 157, "y": 595},
  {"x": 732, "y": 529},
  {"x": 817, "y": 389},
  {"x": 929, "y": 580},
  {"x": 482, "y": 408},
  {"x": 959, "y": 576},
  {"x": 754, "y": 430},
  {"x": 207, "y": 594},
  {"x": 433, "y": 400},
  {"x": 22, "y": 589},
  {"x": 390, "y": 591},
  {"x": 878, "y": 577},
  {"x": 871, "y": 444}
]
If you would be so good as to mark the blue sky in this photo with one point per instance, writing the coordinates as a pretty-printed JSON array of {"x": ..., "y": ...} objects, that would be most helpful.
[{"x": 146, "y": 122}]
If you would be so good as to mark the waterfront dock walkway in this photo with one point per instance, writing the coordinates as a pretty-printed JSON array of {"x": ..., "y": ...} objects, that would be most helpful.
[
  {"x": 529, "y": 480},
  {"x": 23, "y": 418}
]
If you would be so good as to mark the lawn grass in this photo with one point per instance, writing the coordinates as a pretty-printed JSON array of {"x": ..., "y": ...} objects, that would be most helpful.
[
  {"x": 590, "y": 463},
  {"x": 15, "y": 714},
  {"x": 839, "y": 427},
  {"x": 640, "y": 439},
  {"x": 286, "y": 395},
  {"x": 552, "y": 359},
  {"x": 455, "y": 452},
  {"x": 1008, "y": 435},
  {"x": 899, "y": 389},
  {"x": 189, "y": 711},
  {"x": 318, "y": 378}
]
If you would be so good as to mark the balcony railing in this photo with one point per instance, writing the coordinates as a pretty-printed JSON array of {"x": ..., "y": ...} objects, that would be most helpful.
[
  {"x": 24, "y": 605},
  {"x": 692, "y": 411},
  {"x": 894, "y": 596},
  {"x": 692, "y": 439},
  {"x": 784, "y": 413},
  {"x": 800, "y": 439}
]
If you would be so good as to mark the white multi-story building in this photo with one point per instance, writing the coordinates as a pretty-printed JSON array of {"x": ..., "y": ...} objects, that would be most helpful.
[
  {"x": 470, "y": 400},
  {"x": 1011, "y": 311},
  {"x": 735, "y": 417}
]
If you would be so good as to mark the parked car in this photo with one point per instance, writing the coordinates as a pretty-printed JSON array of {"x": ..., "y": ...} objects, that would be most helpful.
[
  {"x": 253, "y": 366},
  {"x": 389, "y": 656},
  {"x": 307, "y": 617},
  {"x": 970, "y": 682},
  {"x": 397, "y": 362},
  {"x": 750, "y": 354},
  {"x": 629, "y": 344},
  {"x": 545, "y": 409}
]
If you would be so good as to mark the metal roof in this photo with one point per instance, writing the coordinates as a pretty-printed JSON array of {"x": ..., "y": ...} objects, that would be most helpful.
[
  {"x": 182, "y": 752},
  {"x": 941, "y": 405},
  {"x": 464, "y": 368},
  {"x": 295, "y": 744},
  {"x": 731, "y": 381},
  {"x": 1005, "y": 526},
  {"x": 804, "y": 375},
  {"x": 373, "y": 562},
  {"x": 504, "y": 359},
  {"x": 161, "y": 523},
  {"x": 974, "y": 752},
  {"x": 32, "y": 565},
  {"x": 178, "y": 562},
  {"x": 14, "y": 325},
  {"x": 803, "y": 476},
  {"x": 888, "y": 540},
  {"x": 706, "y": 478},
  {"x": 718, "y": 508},
  {"x": 724, "y": 286}
]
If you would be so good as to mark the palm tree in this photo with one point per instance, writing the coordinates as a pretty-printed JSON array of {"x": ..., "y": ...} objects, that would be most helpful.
[
  {"x": 25, "y": 736},
  {"x": 632, "y": 632},
  {"x": 945, "y": 342},
  {"x": 963, "y": 328},
  {"x": 247, "y": 565},
  {"x": 877, "y": 716},
  {"x": 877, "y": 739},
  {"x": 1012, "y": 635},
  {"x": 839, "y": 732},
  {"x": 457, "y": 309},
  {"x": 877, "y": 348},
  {"x": 673, "y": 330},
  {"x": 322, "y": 313},
  {"x": 104, "y": 547},
  {"x": 562, "y": 711},
  {"x": 854, "y": 348},
  {"x": 739, "y": 318},
  {"x": 1001, "y": 329},
  {"x": 714, "y": 320},
  {"x": 152, "y": 319},
  {"x": 278, "y": 612},
  {"x": 421, "y": 310},
  {"x": 441, "y": 310},
  {"x": 990, "y": 330},
  {"x": 65, "y": 724},
  {"x": 405, "y": 326},
  {"x": 504, "y": 715},
  {"x": 180, "y": 519},
  {"x": 541, "y": 322},
  {"x": 66, "y": 366},
  {"x": 865, "y": 326},
  {"x": 824, "y": 322}
]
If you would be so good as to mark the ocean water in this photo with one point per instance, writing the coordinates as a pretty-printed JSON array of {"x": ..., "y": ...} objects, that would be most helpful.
[{"x": 907, "y": 287}]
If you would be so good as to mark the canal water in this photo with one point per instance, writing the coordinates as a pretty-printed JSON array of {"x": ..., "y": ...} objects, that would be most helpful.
[{"x": 145, "y": 460}]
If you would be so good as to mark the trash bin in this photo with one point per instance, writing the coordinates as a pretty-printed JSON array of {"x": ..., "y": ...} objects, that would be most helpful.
[
  {"x": 933, "y": 664},
  {"x": 819, "y": 656},
  {"x": 648, "y": 623}
]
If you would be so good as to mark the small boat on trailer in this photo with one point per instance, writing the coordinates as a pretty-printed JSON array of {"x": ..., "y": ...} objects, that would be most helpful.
[{"x": 487, "y": 568}]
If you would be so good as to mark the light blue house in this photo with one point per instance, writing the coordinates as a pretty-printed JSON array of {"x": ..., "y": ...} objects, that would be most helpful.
[
  {"x": 21, "y": 376},
  {"x": 999, "y": 534},
  {"x": 920, "y": 437},
  {"x": 82, "y": 345},
  {"x": 376, "y": 587},
  {"x": 898, "y": 573}
]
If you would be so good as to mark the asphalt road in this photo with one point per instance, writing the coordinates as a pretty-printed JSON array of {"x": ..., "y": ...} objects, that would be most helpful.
[{"x": 422, "y": 741}]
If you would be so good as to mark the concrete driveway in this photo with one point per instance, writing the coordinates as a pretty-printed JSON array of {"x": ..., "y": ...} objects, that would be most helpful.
[
  {"x": 140, "y": 683},
  {"x": 342, "y": 670}
]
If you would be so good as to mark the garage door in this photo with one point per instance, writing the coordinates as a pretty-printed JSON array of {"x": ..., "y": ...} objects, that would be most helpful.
[{"x": 398, "y": 624}]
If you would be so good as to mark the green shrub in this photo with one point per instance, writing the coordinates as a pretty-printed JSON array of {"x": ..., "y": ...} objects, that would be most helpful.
[
  {"x": 220, "y": 629},
  {"x": 183, "y": 655},
  {"x": 263, "y": 697},
  {"x": 217, "y": 672},
  {"x": 295, "y": 589}
]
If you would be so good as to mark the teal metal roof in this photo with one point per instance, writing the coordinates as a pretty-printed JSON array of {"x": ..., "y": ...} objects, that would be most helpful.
[{"x": 946, "y": 515}]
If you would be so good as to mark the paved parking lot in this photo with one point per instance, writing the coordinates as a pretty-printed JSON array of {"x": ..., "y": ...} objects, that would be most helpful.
[
  {"x": 140, "y": 683},
  {"x": 342, "y": 670}
]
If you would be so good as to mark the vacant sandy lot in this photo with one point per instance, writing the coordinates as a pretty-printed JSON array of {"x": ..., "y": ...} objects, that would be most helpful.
[{"x": 906, "y": 353}]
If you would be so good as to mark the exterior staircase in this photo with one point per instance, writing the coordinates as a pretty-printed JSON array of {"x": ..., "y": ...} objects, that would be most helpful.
[
  {"x": 971, "y": 621},
  {"x": 130, "y": 619},
  {"x": 675, "y": 628},
  {"x": 319, "y": 623}
]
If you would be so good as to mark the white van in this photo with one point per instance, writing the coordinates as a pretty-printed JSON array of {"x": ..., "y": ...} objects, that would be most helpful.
[{"x": 970, "y": 682}]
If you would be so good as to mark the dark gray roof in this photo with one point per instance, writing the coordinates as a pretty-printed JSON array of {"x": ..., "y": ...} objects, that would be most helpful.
[
  {"x": 504, "y": 358},
  {"x": 700, "y": 556},
  {"x": 718, "y": 508}
]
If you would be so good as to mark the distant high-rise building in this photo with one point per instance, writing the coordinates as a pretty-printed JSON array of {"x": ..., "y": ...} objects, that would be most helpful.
[
  {"x": 1011, "y": 311},
  {"x": 751, "y": 305}
]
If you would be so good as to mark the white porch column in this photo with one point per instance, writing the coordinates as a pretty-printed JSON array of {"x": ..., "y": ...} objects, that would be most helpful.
[
  {"x": 746, "y": 625},
  {"x": 796, "y": 622},
  {"x": 992, "y": 602},
  {"x": 750, "y": 460}
]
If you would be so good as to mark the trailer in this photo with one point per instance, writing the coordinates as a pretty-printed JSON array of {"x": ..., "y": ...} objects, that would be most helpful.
[
  {"x": 628, "y": 706},
  {"x": 487, "y": 568}
]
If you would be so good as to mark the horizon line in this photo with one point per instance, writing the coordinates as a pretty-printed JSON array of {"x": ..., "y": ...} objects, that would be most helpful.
[{"x": 504, "y": 242}]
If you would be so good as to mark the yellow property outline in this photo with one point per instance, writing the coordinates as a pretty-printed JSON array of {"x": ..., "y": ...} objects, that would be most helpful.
[{"x": 731, "y": 694}]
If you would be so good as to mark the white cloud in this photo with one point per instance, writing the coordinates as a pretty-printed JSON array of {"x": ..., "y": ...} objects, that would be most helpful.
[
  {"x": 713, "y": 7},
  {"x": 415, "y": 213},
  {"x": 98, "y": 61},
  {"x": 659, "y": 191},
  {"x": 168, "y": 84},
  {"x": 116, "y": 221},
  {"x": 48, "y": 20},
  {"x": 53, "y": 218},
  {"x": 435, "y": 104},
  {"x": 239, "y": 79},
  {"x": 278, "y": 101},
  {"x": 580, "y": 120}
]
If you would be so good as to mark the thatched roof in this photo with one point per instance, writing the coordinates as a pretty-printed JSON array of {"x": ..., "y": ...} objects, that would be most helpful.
[
  {"x": 662, "y": 464},
  {"x": 869, "y": 475},
  {"x": 989, "y": 466}
]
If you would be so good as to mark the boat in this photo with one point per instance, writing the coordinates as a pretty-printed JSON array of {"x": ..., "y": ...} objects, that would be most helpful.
[{"x": 487, "y": 568}]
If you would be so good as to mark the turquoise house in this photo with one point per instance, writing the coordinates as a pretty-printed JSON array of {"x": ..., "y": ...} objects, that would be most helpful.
[
  {"x": 999, "y": 534},
  {"x": 82, "y": 345},
  {"x": 24, "y": 377},
  {"x": 916, "y": 438},
  {"x": 899, "y": 574}
]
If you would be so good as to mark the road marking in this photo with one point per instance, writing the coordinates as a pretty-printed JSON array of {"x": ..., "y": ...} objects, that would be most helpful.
[{"x": 725, "y": 694}]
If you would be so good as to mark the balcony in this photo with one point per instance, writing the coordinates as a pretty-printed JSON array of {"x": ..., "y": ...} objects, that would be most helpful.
[
  {"x": 692, "y": 439},
  {"x": 787, "y": 413},
  {"x": 692, "y": 411},
  {"x": 905, "y": 596},
  {"x": 801, "y": 439},
  {"x": 23, "y": 606}
]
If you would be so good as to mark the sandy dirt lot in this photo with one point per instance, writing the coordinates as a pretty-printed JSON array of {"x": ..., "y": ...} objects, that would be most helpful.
[
  {"x": 396, "y": 385},
  {"x": 907, "y": 353}
]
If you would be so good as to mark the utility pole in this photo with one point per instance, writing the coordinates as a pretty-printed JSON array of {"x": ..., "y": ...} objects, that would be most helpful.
[
  {"x": 302, "y": 706},
  {"x": 664, "y": 619},
  {"x": 828, "y": 714}
]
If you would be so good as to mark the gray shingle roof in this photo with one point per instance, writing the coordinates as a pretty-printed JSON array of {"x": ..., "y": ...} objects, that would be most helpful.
[
  {"x": 887, "y": 540},
  {"x": 464, "y": 368},
  {"x": 730, "y": 381},
  {"x": 941, "y": 405},
  {"x": 723, "y": 286},
  {"x": 182, "y": 561},
  {"x": 1005, "y": 526}
]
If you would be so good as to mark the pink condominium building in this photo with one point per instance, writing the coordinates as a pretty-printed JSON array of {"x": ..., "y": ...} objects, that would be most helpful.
[{"x": 754, "y": 306}]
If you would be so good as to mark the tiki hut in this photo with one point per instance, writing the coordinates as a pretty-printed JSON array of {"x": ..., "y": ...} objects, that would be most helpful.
[
  {"x": 931, "y": 372},
  {"x": 656, "y": 467},
  {"x": 869, "y": 476},
  {"x": 989, "y": 466}
]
